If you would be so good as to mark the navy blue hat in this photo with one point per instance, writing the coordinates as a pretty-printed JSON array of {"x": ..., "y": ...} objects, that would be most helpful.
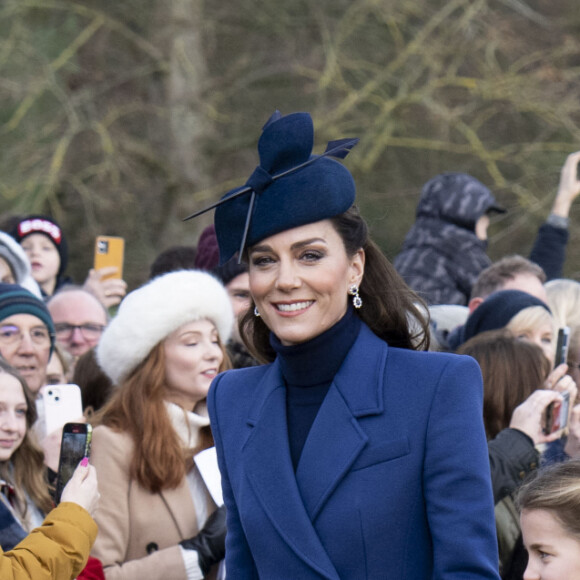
[
  {"x": 497, "y": 310},
  {"x": 289, "y": 188},
  {"x": 15, "y": 299}
]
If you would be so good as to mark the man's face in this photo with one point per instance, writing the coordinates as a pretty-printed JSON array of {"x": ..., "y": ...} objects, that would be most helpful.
[
  {"x": 527, "y": 283},
  {"x": 79, "y": 320},
  {"x": 239, "y": 292}
]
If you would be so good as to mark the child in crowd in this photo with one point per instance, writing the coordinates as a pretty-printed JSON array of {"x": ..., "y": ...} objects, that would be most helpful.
[
  {"x": 45, "y": 245},
  {"x": 550, "y": 522}
]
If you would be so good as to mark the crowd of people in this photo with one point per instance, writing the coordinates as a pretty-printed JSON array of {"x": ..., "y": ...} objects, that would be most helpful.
[{"x": 280, "y": 401}]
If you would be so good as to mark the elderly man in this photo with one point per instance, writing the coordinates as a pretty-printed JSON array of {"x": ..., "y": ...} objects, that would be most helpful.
[{"x": 79, "y": 319}]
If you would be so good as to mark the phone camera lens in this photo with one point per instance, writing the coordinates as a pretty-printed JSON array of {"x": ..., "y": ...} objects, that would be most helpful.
[
  {"x": 57, "y": 398},
  {"x": 50, "y": 393}
]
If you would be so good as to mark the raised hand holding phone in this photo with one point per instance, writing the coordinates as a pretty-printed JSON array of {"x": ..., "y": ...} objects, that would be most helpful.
[
  {"x": 105, "y": 279},
  {"x": 82, "y": 488},
  {"x": 75, "y": 446}
]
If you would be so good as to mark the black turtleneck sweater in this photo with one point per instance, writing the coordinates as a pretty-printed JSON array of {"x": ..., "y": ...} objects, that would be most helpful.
[{"x": 308, "y": 370}]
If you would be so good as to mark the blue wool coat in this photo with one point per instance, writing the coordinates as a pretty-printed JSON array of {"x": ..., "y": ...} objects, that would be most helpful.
[{"x": 393, "y": 481}]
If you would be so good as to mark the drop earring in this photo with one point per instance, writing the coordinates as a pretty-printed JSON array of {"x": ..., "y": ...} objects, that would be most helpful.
[
  {"x": 356, "y": 299},
  {"x": 256, "y": 311}
]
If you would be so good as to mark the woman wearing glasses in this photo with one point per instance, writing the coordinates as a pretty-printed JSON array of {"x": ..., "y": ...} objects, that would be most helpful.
[{"x": 26, "y": 334}]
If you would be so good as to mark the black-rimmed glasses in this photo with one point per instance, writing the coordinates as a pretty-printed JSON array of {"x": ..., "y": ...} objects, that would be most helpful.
[{"x": 89, "y": 331}]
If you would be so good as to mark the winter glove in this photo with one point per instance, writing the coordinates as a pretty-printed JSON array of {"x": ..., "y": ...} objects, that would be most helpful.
[{"x": 210, "y": 543}]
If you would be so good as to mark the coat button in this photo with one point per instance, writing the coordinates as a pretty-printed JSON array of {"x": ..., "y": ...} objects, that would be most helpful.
[{"x": 151, "y": 547}]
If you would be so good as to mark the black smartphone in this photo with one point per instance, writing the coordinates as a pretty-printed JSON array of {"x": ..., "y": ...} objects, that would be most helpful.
[
  {"x": 556, "y": 415},
  {"x": 562, "y": 345},
  {"x": 75, "y": 444}
]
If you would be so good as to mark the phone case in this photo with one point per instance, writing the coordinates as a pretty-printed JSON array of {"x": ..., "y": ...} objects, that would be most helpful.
[
  {"x": 562, "y": 345},
  {"x": 109, "y": 251},
  {"x": 57, "y": 405},
  {"x": 75, "y": 444}
]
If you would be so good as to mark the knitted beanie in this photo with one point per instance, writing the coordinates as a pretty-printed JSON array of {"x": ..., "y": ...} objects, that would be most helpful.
[
  {"x": 18, "y": 262},
  {"x": 208, "y": 254},
  {"x": 17, "y": 300},
  {"x": 497, "y": 310},
  {"x": 39, "y": 224},
  {"x": 149, "y": 314}
]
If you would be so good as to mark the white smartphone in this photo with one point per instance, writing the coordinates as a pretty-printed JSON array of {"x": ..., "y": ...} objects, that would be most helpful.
[{"x": 57, "y": 405}]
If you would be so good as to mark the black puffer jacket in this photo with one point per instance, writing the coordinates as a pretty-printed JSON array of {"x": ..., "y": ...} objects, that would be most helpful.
[{"x": 441, "y": 255}]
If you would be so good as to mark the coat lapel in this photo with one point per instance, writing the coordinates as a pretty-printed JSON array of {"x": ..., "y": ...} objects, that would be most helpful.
[
  {"x": 336, "y": 438},
  {"x": 180, "y": 505},
  {"x": 270, "y": 472}
]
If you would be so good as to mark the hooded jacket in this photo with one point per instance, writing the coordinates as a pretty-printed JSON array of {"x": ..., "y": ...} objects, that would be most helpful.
[{"x": 441, "y": 255}]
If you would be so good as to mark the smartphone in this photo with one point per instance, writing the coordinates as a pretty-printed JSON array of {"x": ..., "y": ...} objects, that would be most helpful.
[
  {"x": 75, "y": 444},
  {"x": 562, "y": 345},
  {"x": 556, "y": 415},
  {"x": 110, "y": 251},
  {"x": 57, "y": 405}
]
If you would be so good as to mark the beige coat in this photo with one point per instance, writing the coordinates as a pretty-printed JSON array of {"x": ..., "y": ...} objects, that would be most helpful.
[{"x": 131, "y": 519}]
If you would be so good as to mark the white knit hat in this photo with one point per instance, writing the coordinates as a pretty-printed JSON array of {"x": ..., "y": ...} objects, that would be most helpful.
[
  {"x": 16, "y": 258},
  {"x": 149, "y": 314}
]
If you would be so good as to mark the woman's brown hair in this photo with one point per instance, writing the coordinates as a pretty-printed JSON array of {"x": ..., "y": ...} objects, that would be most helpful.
[
  {"x": 390, "y": 308},
  {"x": 137, "y": 407},
  {"x": 512, "y": 370},
  {"x": 28, "y": 471}
]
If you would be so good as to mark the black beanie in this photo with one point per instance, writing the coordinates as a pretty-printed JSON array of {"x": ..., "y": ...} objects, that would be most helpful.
[
  {"x": 39, "y": 224},
  {"x": 497, "y": 310},
  {"x": 229, "y": 270}
]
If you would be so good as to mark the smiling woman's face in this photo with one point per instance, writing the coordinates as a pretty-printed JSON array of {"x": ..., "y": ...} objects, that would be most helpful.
[
  {"x": 193, "y": 356},
  {"x": 12, "y": 415},
  {"x": 299, "y": 280}
]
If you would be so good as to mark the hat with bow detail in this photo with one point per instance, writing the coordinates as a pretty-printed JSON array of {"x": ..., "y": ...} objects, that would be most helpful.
[{"x": 290, "y": 188}]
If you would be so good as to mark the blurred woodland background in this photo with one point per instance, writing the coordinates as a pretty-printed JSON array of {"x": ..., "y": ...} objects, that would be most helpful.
[{"x": 123, "y": 117}]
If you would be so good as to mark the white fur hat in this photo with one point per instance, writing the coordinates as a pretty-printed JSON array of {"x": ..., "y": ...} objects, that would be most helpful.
[{"x": 149, "y": 314}]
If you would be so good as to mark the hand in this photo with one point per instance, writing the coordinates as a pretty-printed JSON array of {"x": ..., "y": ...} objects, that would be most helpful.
[
  {"x": 51, "y": 449},
  {"x": 572, "y": 447},
  {"x": 527, "y": 417},
  {"x": 559, "y": 381},
  {"x": 109, "y": 291},
  {"x": 210, "y": 543},
  {"x": 555, "y": 375},
  {"x": 82, "y": 488},
  {"x": 51, "y": 445},
  {"x": 569, "y": 186}
]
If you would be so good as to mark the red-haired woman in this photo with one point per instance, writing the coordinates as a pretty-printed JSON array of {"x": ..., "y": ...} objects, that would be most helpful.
[{"x": 162, "y": 350}]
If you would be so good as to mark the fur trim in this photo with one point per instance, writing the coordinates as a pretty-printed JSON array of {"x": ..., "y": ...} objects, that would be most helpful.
[{"x": 149, "y": 314}]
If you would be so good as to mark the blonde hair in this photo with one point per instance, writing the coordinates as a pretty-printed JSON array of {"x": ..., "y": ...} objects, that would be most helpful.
[
  {"x": 564, "y": 302},
  {"x": 531, "y": 318},
  {"x": 557, "y": 490}
]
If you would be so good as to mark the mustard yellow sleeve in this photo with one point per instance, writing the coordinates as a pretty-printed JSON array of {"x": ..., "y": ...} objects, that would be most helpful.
[{"x": 57, "y": 549}]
